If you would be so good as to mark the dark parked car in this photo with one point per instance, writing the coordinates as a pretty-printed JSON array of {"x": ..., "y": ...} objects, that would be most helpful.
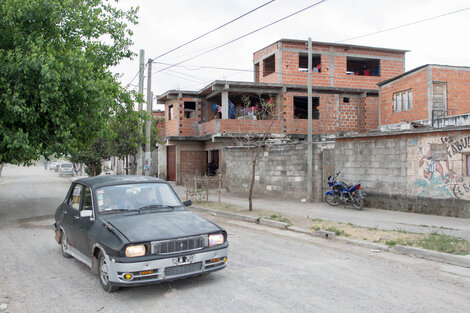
[{"x": 134, "y": 230}]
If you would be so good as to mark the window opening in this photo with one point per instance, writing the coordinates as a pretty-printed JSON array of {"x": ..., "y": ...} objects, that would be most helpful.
[
  {"x": 256, "y": 72},
  {"x": 269, "y": 65},
  {"x": 303, "y": 63},
  {"x": 346, "y": 99},
  {"x": 170, "y": 112},
  {"x": 301, "y": 108},
  {"x": 189, "y": 109},
  {"x": 363, "y": 66},
  {"x": 87, "y": 200},
  {"x": 75, "y": 197},
  {"x": 402, "y": 101}
]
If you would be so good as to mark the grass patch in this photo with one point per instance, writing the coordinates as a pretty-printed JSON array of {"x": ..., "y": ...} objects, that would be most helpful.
[
  {"x": 445, "y": 243},
  {"x": 437, "y": 242},
  {"x": 279, "y": 218},
  {"x": 337, "y": 231}
]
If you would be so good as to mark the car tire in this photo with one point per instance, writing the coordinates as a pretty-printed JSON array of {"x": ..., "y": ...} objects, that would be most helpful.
[
  {"x": 103, "y": 275},
  {"x": 63, "y": 245}
]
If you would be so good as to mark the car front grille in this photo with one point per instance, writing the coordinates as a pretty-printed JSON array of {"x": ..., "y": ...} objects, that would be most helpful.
[
  {"x": 179, "y": 245},
  {"x": 183, "y": 269}
]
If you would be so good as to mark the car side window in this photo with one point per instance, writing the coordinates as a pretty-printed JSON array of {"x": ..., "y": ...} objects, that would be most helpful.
[
  {"x": 74, "y": 200},
  {"x": 87, "y": 204}
]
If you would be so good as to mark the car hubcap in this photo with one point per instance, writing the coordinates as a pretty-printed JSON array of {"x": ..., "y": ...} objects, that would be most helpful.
[{"x": 104, "y": 272}]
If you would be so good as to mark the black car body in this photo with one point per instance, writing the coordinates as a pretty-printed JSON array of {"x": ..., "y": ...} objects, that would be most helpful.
[{"x": 134, "y": 230}]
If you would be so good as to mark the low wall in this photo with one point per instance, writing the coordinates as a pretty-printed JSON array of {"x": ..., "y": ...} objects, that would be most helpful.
[{"x": 281, "y": 171}]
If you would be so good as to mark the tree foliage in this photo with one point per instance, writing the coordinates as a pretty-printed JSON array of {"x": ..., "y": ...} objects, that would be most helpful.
[
  {"x": 56, "y": 89},
  {"x": 120, "y": 137}
]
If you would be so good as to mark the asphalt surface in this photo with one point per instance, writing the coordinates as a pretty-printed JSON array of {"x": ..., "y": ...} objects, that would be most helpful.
[{"x": 269, "y": 269}]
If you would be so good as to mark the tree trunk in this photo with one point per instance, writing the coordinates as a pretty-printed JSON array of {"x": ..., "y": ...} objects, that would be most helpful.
[
  {"x": 250, "y": 194},
  {"x": 127, "y": 165},
  {"x": 134, "y": 165},
  {"x": 1, "y": 168}
]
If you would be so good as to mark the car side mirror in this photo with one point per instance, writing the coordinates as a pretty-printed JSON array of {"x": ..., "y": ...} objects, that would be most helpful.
[
  {"x": 187, "y": 203},
  {"x": 86, "y": 213}
]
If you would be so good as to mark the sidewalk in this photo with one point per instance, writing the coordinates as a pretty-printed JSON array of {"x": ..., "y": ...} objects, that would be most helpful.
[{"x": 369, "y": 217}]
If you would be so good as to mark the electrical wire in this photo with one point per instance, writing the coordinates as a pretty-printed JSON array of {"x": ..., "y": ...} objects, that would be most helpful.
[
  {"x": 203, "y": 35},
  {"x": 245, "y": 35},
  {"x": 213, "y": 30},
  {"x": 404, "y": 25}
]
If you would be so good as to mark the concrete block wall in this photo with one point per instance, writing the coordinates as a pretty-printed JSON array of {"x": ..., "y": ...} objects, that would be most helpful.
[
  {"x": 412, "y": 172},
  {"x": 280, "y": 171},
  {"x": 380, "y": 165}
]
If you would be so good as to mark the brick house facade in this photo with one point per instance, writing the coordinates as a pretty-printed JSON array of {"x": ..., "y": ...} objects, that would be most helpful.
[
  {"x": 345, "y": 98},
  {"x": 434, "y": 95}
]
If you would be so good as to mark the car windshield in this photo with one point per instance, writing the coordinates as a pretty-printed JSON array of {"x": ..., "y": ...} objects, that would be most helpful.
[{"x": 137, "y": 197}]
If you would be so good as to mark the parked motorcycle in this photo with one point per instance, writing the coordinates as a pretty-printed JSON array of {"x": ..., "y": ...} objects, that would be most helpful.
[{"x": 342, "y": 193}]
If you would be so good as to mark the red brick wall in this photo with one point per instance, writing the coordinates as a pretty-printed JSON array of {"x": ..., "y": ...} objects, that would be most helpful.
[
  {"x": 458, "y": 88},
  {"x": 250, "y": 126},
  {"x": 192, "y": 163},
  {"x": 369, "y": 114},
  {"x": 290, "y": 65},
  {"x": 416, "y": 81},
  {"x": 333, "y": 117}
]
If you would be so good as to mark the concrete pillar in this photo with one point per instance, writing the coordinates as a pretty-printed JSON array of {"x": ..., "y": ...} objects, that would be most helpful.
[{"x": 224, "y": 104}]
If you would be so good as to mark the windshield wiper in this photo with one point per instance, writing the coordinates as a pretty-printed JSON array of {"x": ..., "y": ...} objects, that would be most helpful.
[
  {"x": 157, "y": 206},
  {"x": 120, "y": 210}
]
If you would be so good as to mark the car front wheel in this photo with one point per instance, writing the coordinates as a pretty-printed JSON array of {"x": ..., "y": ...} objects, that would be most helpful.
[{"x": 104, "y": 276}]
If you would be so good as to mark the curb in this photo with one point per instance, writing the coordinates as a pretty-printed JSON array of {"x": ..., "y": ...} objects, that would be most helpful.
[{"x": 458, "y": 260}]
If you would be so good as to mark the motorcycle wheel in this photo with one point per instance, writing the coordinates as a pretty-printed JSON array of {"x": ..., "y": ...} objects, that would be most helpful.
[
  {"x": 358, "y": 203},
  {"x": 332, "y": 199}
]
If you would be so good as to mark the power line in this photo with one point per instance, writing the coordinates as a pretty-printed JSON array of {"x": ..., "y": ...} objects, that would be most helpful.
[
  {"x": 246, "y": 35},
  {"x": 203, "y": 35},
  {"x": 213, "y": 30},
  {"x": 404, "y": 25}
]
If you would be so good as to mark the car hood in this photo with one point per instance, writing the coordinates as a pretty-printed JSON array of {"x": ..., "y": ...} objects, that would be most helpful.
[{"x": 160, "y": 225}]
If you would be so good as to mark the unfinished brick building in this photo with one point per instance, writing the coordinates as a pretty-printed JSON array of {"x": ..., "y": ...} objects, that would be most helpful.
[
  {"x": 429, "y": 95},
  {"x": 198, "y": 124}
]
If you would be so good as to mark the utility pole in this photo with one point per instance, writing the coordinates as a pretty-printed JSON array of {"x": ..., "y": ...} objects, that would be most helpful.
[
  {"x": 148, "y": 123},
  {"x": 141, "y": 91},
  {"x": 310, "y": 144}
]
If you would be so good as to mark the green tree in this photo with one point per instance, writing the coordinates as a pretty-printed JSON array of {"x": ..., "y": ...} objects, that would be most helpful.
[
  {"x": 56, "y": 88},
  {"x": 128, "y": 128}
]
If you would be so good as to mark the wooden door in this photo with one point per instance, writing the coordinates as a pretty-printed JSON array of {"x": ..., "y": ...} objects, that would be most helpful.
[{"x": 171, "y": 163}]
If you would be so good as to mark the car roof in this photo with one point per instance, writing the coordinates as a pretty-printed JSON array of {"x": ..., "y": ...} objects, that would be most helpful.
[{"x": 112, "y": 180}]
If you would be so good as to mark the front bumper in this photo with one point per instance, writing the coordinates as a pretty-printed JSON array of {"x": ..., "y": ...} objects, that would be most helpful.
[{"x": 154, "y": 271}]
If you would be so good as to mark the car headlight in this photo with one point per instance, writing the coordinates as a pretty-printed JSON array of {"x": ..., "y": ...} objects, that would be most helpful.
[
  {"x": 133, "y": 251},
  {"x": 216, "y": 239}
]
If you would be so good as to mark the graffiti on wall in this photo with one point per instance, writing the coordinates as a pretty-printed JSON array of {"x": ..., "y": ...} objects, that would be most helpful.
[{"x": 438, "y": 168}]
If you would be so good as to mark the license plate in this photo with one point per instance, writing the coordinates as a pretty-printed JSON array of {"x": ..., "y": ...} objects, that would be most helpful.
[{"x": 186, "y": 259}]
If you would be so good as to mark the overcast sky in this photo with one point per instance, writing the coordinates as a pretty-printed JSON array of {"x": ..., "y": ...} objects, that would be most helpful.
[{"x": 164, "y": 25}]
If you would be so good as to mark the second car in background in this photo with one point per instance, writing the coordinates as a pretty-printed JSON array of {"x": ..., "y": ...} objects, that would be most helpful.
[{"x": 66, "y": 169}]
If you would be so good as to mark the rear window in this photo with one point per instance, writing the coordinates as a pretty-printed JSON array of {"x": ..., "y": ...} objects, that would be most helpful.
[{"x": 66, "y": 165}]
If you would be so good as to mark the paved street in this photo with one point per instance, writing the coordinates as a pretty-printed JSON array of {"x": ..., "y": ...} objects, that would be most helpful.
[{"x": 269, "y": 270}]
